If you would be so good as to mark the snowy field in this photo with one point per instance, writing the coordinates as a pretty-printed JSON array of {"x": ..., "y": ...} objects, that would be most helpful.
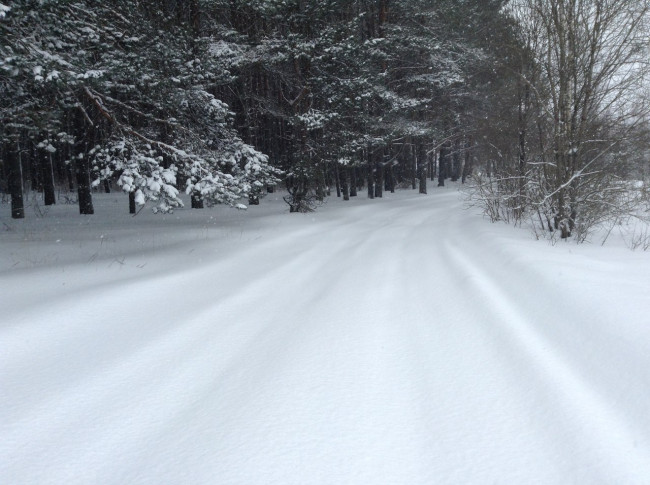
[{"x": 394, "y": 341}]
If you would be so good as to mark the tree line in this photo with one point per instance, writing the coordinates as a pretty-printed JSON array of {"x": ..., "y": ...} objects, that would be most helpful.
[
  {"x": 224, "y": 99},
  {"x": 575, "y": 153}
]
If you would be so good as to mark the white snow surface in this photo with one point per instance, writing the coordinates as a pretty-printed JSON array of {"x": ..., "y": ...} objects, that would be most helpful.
[{"x": 394, "y": 341}]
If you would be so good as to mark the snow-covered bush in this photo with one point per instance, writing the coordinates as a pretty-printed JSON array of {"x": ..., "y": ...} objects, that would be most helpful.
[{"x": 140, "y": 171}]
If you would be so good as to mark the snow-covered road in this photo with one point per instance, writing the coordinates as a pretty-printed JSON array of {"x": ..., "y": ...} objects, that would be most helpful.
[{"x": 396, "y": 341}]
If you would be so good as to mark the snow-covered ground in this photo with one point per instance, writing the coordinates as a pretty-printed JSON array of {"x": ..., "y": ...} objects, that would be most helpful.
[{"x": 394, "y": 341}]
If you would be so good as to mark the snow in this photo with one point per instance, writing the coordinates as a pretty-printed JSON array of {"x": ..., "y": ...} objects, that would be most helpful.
[
  {"x": 139, "y": 197},
  {"x": 394, "y": 341}
]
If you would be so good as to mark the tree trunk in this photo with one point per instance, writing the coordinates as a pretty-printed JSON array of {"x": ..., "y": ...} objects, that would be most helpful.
[
  {"x": 455, "y": 162},
  {"x": 379, "y": 173},
  {"x": 443, "y": 165},
  {"x": 15, "y": 181},
  {"x": 370, "y": 175},
  {"x": 467, "y": 166},
  {"x": 320, "y": 184},
  {"x": 83, "y": 186},
  {"x": 32, "y": 164},
  {"x": 353, "y": 182},
  {"x": 328, "y": 180},
  {"x": 69, "y": 171},
  {"x": 422, "y": 167},
  {"x": 48, "y": 180},
  {"x": 195, "y": 17},
  {"x": 522, "y": 122},
  {"x": 414, "y": 164},
  {"x": 345, "y": 184},
  {"x": 196, "y": 201},
  {"x": 337, "y": 179},
  {"x": 132, "y": 205},
  {"x": 82, "y": 165}
]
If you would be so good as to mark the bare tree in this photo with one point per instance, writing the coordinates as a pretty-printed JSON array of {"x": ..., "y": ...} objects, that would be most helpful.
[{"x": 590, "y": 55}]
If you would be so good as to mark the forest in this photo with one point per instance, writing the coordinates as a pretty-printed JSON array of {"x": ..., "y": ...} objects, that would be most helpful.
[{"x": 539, "y": 106}]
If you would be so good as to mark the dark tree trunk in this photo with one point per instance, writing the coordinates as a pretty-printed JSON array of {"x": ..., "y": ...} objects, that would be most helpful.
[
  {"x": 379, "y": 174},
  {"x": 467, "y": 167},
  {"x": 455, "y": 161},
  {"x": 370, "y": 175},
  {"x": 15, "y": 181},
  {"x": 443, "y": 168},
  {"x": 83, "y": 186},
  {"x": 337, "y": 179},
  {"x": 353, "y": 182},
  {"x": 422, "y": 166},
  {"x": 48, "y": 180},
  {"x": 345, "y": 184},
  {"x": 31, "y": 162},
  {"x": 107, "y": 186},
  {"x": 387, "y": 163},
  {"x": 69, "y": 154},
  {"x": 195, "y": 17},
  {"x": 132, "y": 207},
  {"x": 196, "y": 201},
  {"x": 70, "y": 175},
  {"x": 82, "y": 165},
  {"x": 414, "y": 165},
  {"x": 328, "y": 180},
  {"x": 321, "y": 184}
]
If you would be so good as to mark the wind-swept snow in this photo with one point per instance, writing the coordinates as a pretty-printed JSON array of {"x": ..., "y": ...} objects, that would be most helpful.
[{"x": 394, "y": 341}]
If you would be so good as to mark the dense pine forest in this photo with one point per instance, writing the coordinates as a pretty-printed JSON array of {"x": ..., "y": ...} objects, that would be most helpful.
[{"x": 540, "y": 104}]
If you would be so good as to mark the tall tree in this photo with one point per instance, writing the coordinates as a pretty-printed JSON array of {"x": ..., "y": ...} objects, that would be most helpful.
[{"x": 591, "y": 69}]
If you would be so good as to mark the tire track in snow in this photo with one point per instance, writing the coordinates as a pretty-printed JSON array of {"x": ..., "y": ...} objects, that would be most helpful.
[
  {"x": 256, "y": 371},
  {"x": 352, "y": 362},
  {"x": 137, "y": 298},
  {"x": 587, "y": 412},
  {"x": 181, "y": 340},
  {"x": 188, "y": 344},
  {"x": 406, "y": 387},
  {"x": 464, "y": 406},
  {"x": 356, "y": 371},
  {"x": 403, "y": 383}
]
